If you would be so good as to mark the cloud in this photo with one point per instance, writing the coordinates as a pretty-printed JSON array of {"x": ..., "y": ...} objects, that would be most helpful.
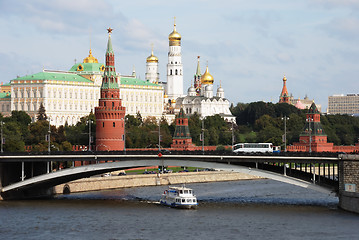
[
  {"x": 337, "y": 3},
  {"x": 343, "y": 28}
]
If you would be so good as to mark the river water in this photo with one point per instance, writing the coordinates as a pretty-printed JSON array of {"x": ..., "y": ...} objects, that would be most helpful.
[{"x": 256, "y": 209}]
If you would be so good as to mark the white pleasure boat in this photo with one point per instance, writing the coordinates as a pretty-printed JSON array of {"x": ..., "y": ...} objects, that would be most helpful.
[{"x": 179, "y": 197}]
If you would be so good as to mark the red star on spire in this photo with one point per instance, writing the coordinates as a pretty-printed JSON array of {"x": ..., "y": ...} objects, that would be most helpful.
[{"x": 109, "y": 30}]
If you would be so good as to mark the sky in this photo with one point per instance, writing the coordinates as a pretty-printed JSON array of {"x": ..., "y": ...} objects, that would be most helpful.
[{"x": 249, "y": 45}]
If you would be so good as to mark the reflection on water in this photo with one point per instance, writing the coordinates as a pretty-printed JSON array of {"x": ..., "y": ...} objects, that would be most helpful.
[{"x": 261, "y": 209}]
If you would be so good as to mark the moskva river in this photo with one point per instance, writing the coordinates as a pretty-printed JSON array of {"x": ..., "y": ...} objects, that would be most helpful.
[{"x": 256, "y": 209}]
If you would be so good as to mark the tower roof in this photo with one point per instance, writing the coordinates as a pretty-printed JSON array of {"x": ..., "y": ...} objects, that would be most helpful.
[
  {"x": 152, "y": 58},
  {"x": 109, "y": 43},
  {"x": 198, "y": 72},
  {"x": 284, "y": 96},
  {"x": 174, "y": 37},
  {"x": 313, "y": 109},
  {"x": 90, "y": 58},
  {"x": 207, "y": 78}
]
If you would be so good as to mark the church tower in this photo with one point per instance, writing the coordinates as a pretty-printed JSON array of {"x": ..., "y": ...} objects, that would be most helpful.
[
  {"x": 152, "y": 68},
  {"x": 197, "y": 78},
  {"x": 284, "y": 96},
  {"x": 110, "y": 114},
  {"x": 174, "y": 66}
]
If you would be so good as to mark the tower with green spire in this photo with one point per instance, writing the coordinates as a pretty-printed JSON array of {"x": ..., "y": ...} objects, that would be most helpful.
[{"x": 110, "y": 114}]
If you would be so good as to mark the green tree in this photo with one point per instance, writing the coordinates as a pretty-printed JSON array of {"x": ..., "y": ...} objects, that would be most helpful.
[{"x": 41, "y": 113}]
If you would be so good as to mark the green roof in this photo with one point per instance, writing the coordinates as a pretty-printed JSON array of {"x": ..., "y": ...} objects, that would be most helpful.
[
  {"x": 135, "y": 81},
  {"x": 57, "y": 76},
  {"x": 88, "y": 67},
  {"x": 5, "y": 95}
]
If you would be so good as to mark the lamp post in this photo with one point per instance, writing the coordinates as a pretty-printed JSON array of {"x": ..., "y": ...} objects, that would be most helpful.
[
  {"x": 285, "y": 118},
  {"x": 232, "y": 134},
  {"x": 309, "y": 120},
  {"x": 2, "y": 139},
  {"x": 124, "y": 133},
  {"x": 159, "y": 136},
  {"x": 202, "y": 138},
  {"x": 90, "y": 140},
  {"x": 49, "y": 137}
]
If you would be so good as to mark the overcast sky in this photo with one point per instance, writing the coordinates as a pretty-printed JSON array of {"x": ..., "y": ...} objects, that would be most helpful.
[{"x": 249, "y": 45}]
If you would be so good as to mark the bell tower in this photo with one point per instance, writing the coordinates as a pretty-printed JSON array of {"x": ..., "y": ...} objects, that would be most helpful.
[
  {"x": 110, "y": 114},
  {"x": 174, "y": 67}
]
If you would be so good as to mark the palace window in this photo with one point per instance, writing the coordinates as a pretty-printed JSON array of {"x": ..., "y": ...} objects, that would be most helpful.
[{"x": 113, "y": 124}]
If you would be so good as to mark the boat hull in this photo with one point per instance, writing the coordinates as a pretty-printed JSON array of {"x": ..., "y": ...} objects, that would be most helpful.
[{"x": 181, "y": 206}]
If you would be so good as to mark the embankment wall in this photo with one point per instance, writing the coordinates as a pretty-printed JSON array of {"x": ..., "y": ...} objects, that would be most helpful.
[{"x": 113, "y": 182}]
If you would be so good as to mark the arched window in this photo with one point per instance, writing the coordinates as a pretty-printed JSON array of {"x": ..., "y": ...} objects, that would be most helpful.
[
  {"x": 113, "y": 124},
  {"x": 176, "y": 72},
  {"x": 113, "y": 104},
  {"x": 103, "y": 124},
  {"x": 171, "y": 72}
]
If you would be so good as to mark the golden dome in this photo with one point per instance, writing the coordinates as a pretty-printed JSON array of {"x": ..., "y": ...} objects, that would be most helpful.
[
  {"x": 90, "y": 58},
  {"x": 173, "y": 101},
  {"x": 174, "y": 37},
  {"x": 207, "y": 78},
  {"x": 152, "y": 58},
  {"x": 284, "y": 78}
]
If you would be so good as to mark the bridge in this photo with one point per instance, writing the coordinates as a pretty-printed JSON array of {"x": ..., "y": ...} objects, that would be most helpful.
[{"x": 26, "y": 175}]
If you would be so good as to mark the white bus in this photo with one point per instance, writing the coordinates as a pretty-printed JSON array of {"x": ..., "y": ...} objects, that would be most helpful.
[{"x": 252, "y": 147}]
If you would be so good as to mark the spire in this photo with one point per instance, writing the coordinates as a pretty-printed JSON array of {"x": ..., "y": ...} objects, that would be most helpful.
[
  {"x": 198, "y": 72},
  {"x": 109, "y": 43},
  {"x": 110, "y": 79}
]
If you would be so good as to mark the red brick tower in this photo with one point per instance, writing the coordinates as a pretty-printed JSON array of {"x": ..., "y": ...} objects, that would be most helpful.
[
  {"x": 313, "y": 137},
  {"x": 182, "y": 138},
  {"x": 110, "y": 113},
  {"x": 284, "y": 96}
]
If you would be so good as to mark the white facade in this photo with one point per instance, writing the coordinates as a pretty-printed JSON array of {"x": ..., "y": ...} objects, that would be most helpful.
[
  {"x": 64, "y": 98},
  {"x": 174, "y": 86}
]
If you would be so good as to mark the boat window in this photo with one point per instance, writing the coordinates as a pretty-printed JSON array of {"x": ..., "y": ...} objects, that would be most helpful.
[
  {"x": 181, "y": 191},
  {"x": 189, "y": 200},
  {"x": 194, "y": 200},
  {"x": 185, "y": 191},
  {"x": 190, "y": 191},
  {"x": 183, "y": 200}
]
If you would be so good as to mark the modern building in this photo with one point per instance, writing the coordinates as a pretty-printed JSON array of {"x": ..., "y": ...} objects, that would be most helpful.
[{"x": 343, "y": 104}]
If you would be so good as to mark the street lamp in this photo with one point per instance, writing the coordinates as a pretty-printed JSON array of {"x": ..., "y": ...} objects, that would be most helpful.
[
  {"x": 90, "y": 140},
  {"x": 202, "y": 136},
  {"x": 49, "y": 137},
  {"x": 124, "y": 133},
  {"x": 159, "y": 136},
  {"x": 2, "y": 139},
  {"x": 309, "y": 120},
  {"x": 232, "y": 134},
  {"x": 285, "y": 118}
]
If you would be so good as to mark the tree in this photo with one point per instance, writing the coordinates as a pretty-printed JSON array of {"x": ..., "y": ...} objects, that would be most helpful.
[{"x": 41, "y": 113}]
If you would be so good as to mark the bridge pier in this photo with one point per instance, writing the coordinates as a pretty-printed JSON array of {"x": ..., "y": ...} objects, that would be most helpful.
[{"x": 349, "y": 183}]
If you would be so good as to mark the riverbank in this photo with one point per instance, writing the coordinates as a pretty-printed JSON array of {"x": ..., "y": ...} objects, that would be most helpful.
[{"x": 127, "y": 181}]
